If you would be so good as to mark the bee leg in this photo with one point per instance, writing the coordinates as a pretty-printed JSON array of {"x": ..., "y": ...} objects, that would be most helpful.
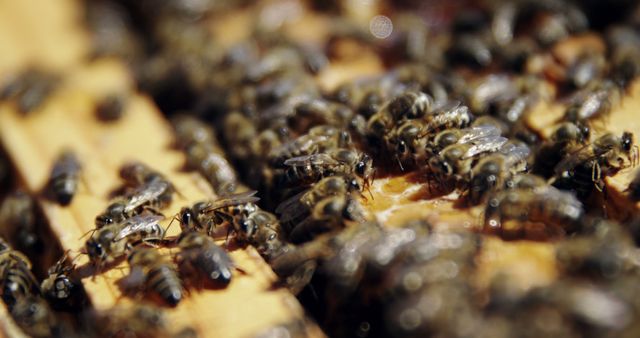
[
  {"x": 150, "y": 241},
  {"x": 596, "y": 173},
  {"x": 399, "y": 162},
  {"x": 152, "y": 210},
  {"x": 603, "y": 188}
]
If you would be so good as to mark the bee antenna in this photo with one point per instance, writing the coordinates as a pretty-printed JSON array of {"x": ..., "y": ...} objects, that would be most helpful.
[
  {"x": 175, "y": 218},
  {"x": 88, "y": 232},
  {"x": 399, "y": 162}
]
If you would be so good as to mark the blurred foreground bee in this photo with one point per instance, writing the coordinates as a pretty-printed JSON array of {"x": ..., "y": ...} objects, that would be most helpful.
[
  {"x": 201, "y": 256},
  {"x": 205, "y": 216},
  {"x": 296, "y": 328},
  {"x": 556, "y": 209},
  {"x": 154, "y": 194},
  {"x": 312, "y": 168},
  {"x": 136, "y": 320},
  {"x": 19, "y": 219},
  {"x": 60, "y": 287},
  {"x": 298, "y": 205},
  {"x": 331, "y": 213},
  {"x": 34, "y": 316},
  {"x": 111, "y": 242},
  {"x": 150, "y": 271},
  {"x": 586, "y": 167},
  {"x": 16, "y": 279},
  {"x": 63, "y": 182}
]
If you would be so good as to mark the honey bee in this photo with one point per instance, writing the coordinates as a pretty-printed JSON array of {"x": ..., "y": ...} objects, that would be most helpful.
[
  {"x": 592, "y": 103},
  {"x": 318, "y": 139},
  {"x": 331, "y": 213},
  {"x": 204, "y": 155},
  {"x": 585, "y": 69},
  {"x": 136, "y": 173},
  {"x": 408, "y": 141},
  {"x": 490, "y": 91},
  {"x": 30, "y": 89},
  {"x": 205, "y": 216},
  {"x": 200, "y": 254},
  {"x": 110, "y": 242},
  {"x": 136, "y": 320},
  {"x": 316, "y": 112},
  {"x": 525, "y": 181},
  {"x": 34, "y": 316},
  {"x": 296, "y": 328},
  {"x": 312, "y": 168},
  {"x": 60, "y": 287},
  {"x": 409, "y": 105},
  {"x": 451, "y": 115},
  {"x": 454, "y": 162},
  {"x": 296, "y": 206},
  {"x": 215, "y": 168},
  {"x": 585, "y": 168},
  {"x": 63, "y": 181},
  {"x": 269, "y": 239},
  {"x": 461, "y": 136},
  {"x": 19, "y": 218},
  {"x": 493, "y": 171},
  {"x": 190, "y": 130},
  {"x": 547, "y": 205},
  {"x": 567, "y": 138},
  {"x": 150, "y": 271},
  {"x": 152, "y": 195},
  {"x": 111, "y": 107},
  {"x": 16, "y": 279},
  {"x": 623, "y": 43}
]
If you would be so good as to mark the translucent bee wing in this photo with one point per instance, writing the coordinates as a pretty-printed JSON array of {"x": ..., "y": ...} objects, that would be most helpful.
[
  {"x": 136, "y": 224},
  {"x": 487, "y": 144},
  {"x": 572, "y": 160},
  {"x": 303, "y": 142},
  {"x": 478, "y": 132},
  {"x": 233, "y": 199},
  {"x": 294, "y": 212},
  {"x": 315, "y": 159},
  {"x": 558, "y": 197},
  {"x": 145, "y": 193},
  {"x": 515, "y": 152}
]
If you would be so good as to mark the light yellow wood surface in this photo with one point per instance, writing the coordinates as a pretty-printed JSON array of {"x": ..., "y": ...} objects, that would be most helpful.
[{"x": 248, "y": 305}]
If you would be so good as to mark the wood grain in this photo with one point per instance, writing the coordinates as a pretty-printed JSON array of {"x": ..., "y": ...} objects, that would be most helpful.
[{"x": 245, "y": 308}]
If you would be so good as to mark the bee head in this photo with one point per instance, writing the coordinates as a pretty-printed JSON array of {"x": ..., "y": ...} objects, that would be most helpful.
[
  {"x": 627, "y": 141},
  {"x": 354, "y": 185},
  {"x": 186, "y": 218},
  {"x": 248, "y": 228},
  {"x": 95, "y": 250}
]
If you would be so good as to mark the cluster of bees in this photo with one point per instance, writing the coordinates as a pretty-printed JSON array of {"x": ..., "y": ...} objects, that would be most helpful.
[{"x": 454, "y": 106}]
